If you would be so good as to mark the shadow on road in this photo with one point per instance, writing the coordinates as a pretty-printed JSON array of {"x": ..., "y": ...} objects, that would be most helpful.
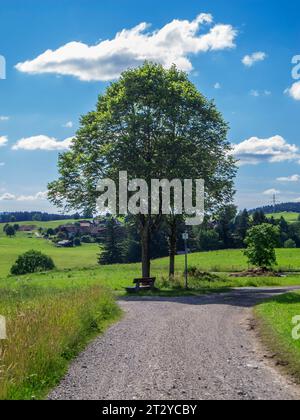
[{"x": 246, "y": 297}]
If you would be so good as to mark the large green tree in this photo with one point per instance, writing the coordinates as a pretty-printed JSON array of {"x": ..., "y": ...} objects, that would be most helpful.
[{"x": 152, "y": 123}]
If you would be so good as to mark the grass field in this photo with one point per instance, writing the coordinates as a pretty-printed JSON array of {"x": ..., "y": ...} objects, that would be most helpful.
[
  {"x": 86, "y": 257},
  {"x": 289, "y": 217},
  {"x": 11, "y": 248},
  {"x": 275, "y": 320}
]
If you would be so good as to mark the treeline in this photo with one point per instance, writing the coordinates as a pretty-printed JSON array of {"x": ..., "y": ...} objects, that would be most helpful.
[
  {"x": 226, "y": 230},
  {"x": 33, "y": 216},
  {"x": 279, "y": 208}
]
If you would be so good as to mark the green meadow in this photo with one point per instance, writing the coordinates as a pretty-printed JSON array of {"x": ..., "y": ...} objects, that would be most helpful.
[
  {"x": 85, "y": 256},
  {"x": 289, "y": 217}
]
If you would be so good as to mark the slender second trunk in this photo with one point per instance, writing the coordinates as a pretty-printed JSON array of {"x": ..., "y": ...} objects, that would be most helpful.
[{"x": 145, "y": 239}]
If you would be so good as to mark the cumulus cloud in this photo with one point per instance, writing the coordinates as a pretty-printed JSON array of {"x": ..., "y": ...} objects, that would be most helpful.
[
  {"x": 4, "y": 118},
  {"x": 7, "y": 197},
  {"x": 292, "y": 178},
  {"x": 272, "y": 191},
  {"x": 2, "y": 164},
  {"x": 12, "y": 197},
  {"x": 274, "y": 149},
  {"x": 217, "y": 85},
  {"x": 172, "y": 44},
  {"x": 42, "y": 143},
  {"x": 35, "y": 197},
  {"x": 3, "y": 140},
  {"x": 294, "y": 91},
  {"x": 250, "y": 60}
]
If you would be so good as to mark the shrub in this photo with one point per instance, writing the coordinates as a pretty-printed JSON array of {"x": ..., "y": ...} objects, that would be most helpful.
[
  {"x": 77, "y": 242},
  {"x": 261, "y": 242},
  {"x": 290, "y": 244},
  {"x": 86, "y": 239},
  {"x": 32, "y": 262},
  {"x": 9, "y": 230}
]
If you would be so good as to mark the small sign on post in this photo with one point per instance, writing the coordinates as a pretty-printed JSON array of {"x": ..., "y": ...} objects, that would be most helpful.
[
  {"x": 185, "y": 237},
  {"x": 3, "y": 335}
]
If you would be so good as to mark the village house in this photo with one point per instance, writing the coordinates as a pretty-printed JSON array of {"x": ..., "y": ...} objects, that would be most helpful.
[
  {"x": 94, "y": 228},
  {"x": 27, "y": 228}
]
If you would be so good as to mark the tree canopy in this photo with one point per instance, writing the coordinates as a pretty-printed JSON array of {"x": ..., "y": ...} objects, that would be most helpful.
[{"x": 154, "y": 124}]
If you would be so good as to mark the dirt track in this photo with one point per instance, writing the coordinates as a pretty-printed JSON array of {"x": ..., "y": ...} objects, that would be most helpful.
[{"x": 179, "y": 348}]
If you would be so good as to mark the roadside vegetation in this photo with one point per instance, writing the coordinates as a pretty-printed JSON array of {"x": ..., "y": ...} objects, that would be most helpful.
[
  {"x": 276, "y": 325},
  {"x": 46, "y": 328}
]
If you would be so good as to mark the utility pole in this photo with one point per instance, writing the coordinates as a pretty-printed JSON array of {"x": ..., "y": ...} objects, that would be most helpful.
[
  {"x": 185, "y": 237},
  {"x": 274, "y": 203}
]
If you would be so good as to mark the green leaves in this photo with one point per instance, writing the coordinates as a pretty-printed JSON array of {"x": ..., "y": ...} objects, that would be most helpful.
[{"x": 261, "y": 242}]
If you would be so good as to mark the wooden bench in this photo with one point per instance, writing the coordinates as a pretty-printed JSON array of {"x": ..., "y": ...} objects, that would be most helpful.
[{"x": 145, "y": 283}]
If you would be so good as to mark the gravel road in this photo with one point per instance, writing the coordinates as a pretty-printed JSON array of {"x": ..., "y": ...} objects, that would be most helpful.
[{"x": 185, "y": 348}]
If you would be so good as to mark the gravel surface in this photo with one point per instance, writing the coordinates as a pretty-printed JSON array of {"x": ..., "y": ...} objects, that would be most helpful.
[{"x": 185, "y": 348}]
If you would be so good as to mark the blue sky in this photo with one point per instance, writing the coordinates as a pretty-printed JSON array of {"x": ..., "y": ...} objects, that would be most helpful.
[{"x": 245, "y": 65}]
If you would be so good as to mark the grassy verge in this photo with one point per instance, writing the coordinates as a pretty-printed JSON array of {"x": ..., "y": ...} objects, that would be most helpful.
[
  {"x": 46, "y": 328},
  {"x": 275, "y": 322},
  {"x": 117, "y": 277}
]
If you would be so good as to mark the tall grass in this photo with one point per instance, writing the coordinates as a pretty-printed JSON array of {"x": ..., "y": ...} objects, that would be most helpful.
[
  {"x": 46, "y": 328},
  {"x": 275, "y": 322}
]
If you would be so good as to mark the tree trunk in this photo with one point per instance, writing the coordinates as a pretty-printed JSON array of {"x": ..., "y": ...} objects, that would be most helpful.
[
  {"x": 173, "y": 247},
  {"x": 145, "y": 238}
]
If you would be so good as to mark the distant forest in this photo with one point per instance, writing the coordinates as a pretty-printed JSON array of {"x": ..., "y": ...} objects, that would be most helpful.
[
  {"x": 279, "y": 208},
  {"x": 34, "y": 216}
]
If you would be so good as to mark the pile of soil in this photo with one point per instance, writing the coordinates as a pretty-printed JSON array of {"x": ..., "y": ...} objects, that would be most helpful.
[
  {"x": 204, "y": 276},
  {"x": 257, "y": 272}
]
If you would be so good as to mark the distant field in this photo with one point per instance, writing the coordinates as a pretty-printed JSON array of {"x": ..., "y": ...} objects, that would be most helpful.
[
  {"x": 289, "y": 217},
  {"x": 79, "y": 257},
  {"x": 46, "y": 225}
]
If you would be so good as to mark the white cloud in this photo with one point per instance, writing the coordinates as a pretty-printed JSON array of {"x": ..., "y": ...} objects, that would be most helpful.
[
  {"x": 294, "y": 91},
  {"x": 272, "y": 191},
  {"x": 42, "y": 143},
  {"x": 172, "y": 44},
  {"x": 7, "y": 197},
  {"x": 254, "y": 93},
  {"x": 3, "y": 140},
  {"x": 35, "y": 197},
  {"x": 12, "y": 197},
  {"x": 274, "y": 149},
  {"x": 250, "y": 60},
  {"x": 293, "y": 178},
  {"x": 4, "y": 118},
  {"x": 2, "y": 164},
  {"x": 68, "y": 124},
  {"x": 217, "y": 85}
]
